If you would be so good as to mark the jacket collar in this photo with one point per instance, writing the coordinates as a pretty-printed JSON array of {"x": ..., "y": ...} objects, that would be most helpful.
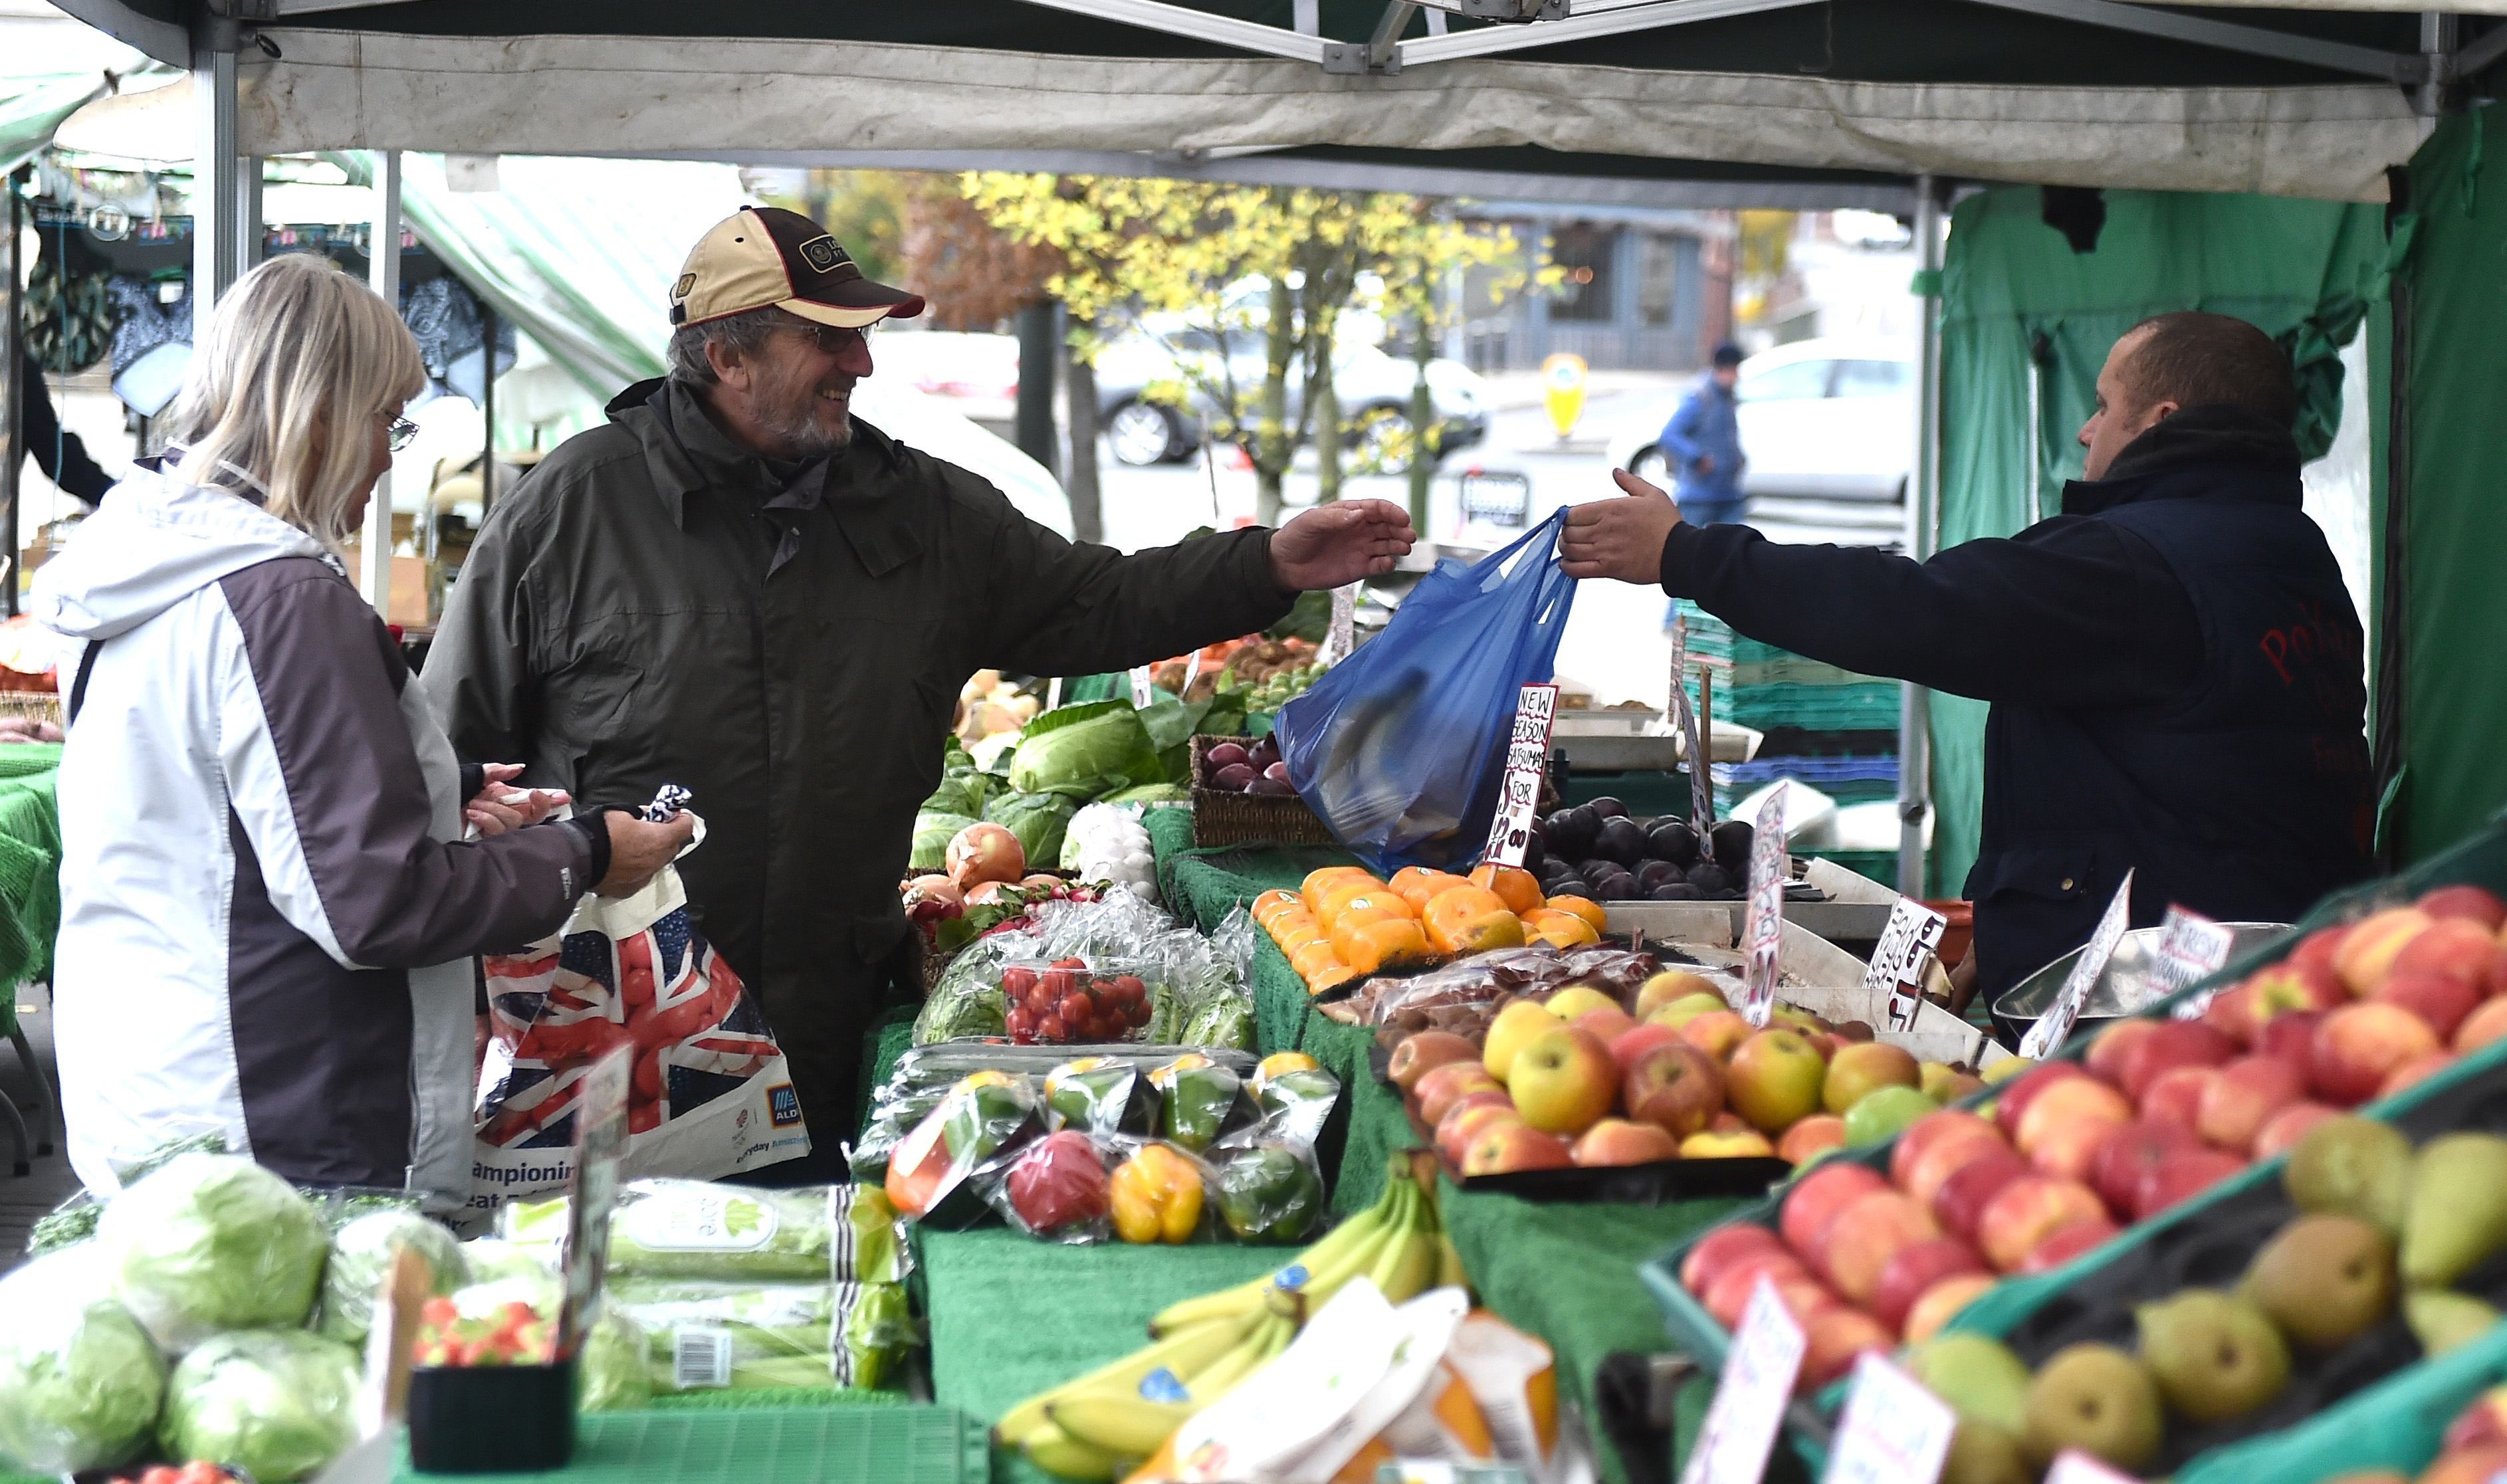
[{"x": 2202, "y": 452}]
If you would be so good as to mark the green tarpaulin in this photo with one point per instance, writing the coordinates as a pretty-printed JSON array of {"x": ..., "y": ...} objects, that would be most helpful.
[{"x": 2026, "y": 324}]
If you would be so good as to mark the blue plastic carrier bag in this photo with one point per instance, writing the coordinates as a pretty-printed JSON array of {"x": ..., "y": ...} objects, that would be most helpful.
[{"x": 1401, "y": 747}]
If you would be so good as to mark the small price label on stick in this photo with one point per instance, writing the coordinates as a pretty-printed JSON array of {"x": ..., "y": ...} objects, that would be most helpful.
[
  {"x": 2191, "y": 949},
  {"x": 1342, "y": 636},
  {"x": 2073, "y": 1467},
  {"x": 1749, "y": 1405},
  {"x": 1527, "y": 753},
  {"x": 2055, "y": 1027},
  {"x": 1141, "y": 694},
  {"x": 1764, "y": 927},
  {"x": 1701, "y": 795},
  {"x": 1896, "y": 970},
  {"x": 601, "y": 1141},
  {"x": 1893, "y": 1431}
]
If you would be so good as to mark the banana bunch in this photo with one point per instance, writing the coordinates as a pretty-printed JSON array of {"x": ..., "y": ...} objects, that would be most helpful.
[{"x": 1098, "y": 1426}]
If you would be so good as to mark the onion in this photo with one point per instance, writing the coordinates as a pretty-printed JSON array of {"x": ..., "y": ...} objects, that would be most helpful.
[{"x": 985, "y": 852}]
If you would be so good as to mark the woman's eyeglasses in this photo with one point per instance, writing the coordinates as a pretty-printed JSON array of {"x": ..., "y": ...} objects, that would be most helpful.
[{"x": 401, "y": 432}]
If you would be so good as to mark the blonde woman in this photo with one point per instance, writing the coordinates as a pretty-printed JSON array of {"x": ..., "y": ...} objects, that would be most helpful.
[{"x": 267, "y": 906}]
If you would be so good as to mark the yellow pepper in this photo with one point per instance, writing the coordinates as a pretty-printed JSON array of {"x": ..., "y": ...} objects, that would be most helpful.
[{"x": 1156, "y": 1197}]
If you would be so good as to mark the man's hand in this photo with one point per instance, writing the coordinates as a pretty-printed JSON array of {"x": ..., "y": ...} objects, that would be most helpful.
[
  {"x": 1620, "y": 539},
  {"x": 1334, "y": 545},
  {"x": 499, "y": 809},
  {"x": 638, "y": 849}
]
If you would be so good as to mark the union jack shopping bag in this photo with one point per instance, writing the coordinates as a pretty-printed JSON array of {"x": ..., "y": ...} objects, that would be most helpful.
[{"x": 711, "y": 1094}]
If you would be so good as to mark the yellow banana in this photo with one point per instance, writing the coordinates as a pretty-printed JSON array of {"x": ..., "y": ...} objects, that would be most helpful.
[
  {"x": 1324, "y": 1280},
  {"x": 1063, "y": 1455},
  {"x": 1186, "y": 1353},
  {"x": 1449, "y": 1264},
  {"x": 1268, "y": 1339},
  {"x": 1248, "y": 1297},
  {"x": 1125, "y": 1427}
]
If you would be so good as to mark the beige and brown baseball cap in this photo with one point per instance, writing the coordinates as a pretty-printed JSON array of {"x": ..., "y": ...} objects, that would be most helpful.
[{"x": 765, "y": 256}]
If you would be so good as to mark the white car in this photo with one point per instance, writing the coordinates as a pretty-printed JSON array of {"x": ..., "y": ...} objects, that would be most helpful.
[{"x": 1823, "y": 418}]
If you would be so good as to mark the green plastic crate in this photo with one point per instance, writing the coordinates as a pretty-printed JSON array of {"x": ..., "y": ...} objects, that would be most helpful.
[
  {"x": 779, "y": 1445},
  {"x": 2395, "y": 1424}
]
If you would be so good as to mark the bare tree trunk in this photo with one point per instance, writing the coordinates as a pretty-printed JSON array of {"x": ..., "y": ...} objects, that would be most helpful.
[
  {"x": 1273, "y": 448},
  {"x": 1327, "y": 404},
  {"x": 1079, "y": 383},
  {"x": 1422, "y": 420}
]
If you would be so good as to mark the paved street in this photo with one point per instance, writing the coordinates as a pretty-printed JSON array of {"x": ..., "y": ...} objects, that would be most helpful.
[{"x": 1614, "y": 644}]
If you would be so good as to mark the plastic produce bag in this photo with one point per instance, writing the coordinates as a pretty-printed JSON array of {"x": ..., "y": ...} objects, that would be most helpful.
[
  {"x": 711, "y": 1095},
  {"x": 609, "y": 1373},
  {"x": 212, "y": 1242},
  {"x": 280, "y": 1403},
  {"x": 1058, "y": 1189},
  {"x": 80, "y": 1381},
  {"x": 1294, "y": 1096},
  {"x": 697, "y": 1231},
  {"x": 1402, "y": 747},
  {"x": 361, "y": 1253},
  {"x": 986, "y": 1118},
  {"x": 1098, "y": 1095},
  {"x": 1268, "y": 1190}
]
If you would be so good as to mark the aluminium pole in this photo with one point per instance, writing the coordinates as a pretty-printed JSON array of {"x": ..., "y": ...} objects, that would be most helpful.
[
  {"x": 382, "y": 272},
  {"x": 1923, "y": 491}
]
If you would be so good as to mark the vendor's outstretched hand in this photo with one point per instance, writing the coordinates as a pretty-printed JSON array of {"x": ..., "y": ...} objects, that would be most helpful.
[
  {"x": 1334, "y": 545},
  {"x": 1622, "y": 538},
  {"x": 499, "y": 807}
]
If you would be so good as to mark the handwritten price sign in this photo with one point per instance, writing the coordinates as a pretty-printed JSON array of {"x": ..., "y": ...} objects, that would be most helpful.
[
  {"x": 1893, "y": 1431},
  {"x": 1913, "y": 935},
  {"x": 1527, "y": 755},
  {"x": 2191, "y": 949},
  {"x": 2055, "y": 1027},
  {"x": 1749, "y": 1405},
  {"x": 1701, "y": 797},
  {"x": 1763, "y": 928}
]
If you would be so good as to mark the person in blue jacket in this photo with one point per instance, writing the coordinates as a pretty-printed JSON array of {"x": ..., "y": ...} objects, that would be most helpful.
[{"x": 1702, "y": 445}]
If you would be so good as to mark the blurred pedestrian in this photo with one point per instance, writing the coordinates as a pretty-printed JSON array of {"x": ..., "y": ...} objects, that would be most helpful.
[
  {"x": 1702, "y": 445},
  {"x": 61, "y": 456}
]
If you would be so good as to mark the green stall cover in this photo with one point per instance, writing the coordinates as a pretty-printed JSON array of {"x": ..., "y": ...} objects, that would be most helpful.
[
  {"x": 2441, "y": 522},
  {"x": 2027, "y": 321}
]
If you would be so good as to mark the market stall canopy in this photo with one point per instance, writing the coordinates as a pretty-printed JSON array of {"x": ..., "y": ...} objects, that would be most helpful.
[{"x": 2282, "y": 100}]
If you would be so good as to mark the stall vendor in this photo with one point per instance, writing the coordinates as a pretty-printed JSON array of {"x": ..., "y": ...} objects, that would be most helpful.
[
  {"x": 2174, "y": 666},
  {"x": 738, "y": 587}
]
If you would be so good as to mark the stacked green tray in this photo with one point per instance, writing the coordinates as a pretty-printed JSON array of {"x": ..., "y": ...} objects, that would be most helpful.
[{"x": 783, "y": 1445}]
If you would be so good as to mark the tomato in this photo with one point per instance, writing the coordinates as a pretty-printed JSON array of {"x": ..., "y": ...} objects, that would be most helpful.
[
  {"x": 438, "y": 1312},
  {"x": 1052, "y": 1029},
  {"x": 1017, "y": 981},
  {"x": 160, "y": 1474}
]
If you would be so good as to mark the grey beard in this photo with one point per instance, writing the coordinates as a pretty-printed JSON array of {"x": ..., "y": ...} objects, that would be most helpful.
[{"x": 794, "y": 421}]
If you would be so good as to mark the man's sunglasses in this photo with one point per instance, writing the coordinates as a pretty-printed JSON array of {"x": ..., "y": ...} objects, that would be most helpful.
[{"x": 836, "y": 340}]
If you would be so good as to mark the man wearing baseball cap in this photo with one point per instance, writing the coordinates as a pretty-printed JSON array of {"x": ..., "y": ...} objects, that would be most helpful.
[{"x": 737, "y": 588}]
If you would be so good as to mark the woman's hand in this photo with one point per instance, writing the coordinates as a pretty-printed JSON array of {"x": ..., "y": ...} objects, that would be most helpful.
[
  {"x": 638, "y": 849},
  {"x": 499, "y": 809}
]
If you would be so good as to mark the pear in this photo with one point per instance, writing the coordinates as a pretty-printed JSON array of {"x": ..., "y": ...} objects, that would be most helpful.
[
  {"x": 1977, "y": 1376},
  {"x": 2440, "y": 1321},
  {"x": 2457, "y": 1216},
  {"x": 2351, "y": 1167},
  {"x": 2098, "y": 1399},
  {"x": 1982, "y": 1453},
  {"x": 2213, "y": 1356},
  {"x": 2323, "y": 1279}
]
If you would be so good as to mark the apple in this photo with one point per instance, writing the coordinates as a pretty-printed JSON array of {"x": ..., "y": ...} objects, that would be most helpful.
[
  {"x": 1442, "y": 1087},
  {"x": 1835, "y": 1339},
  {"x": 1858, "y": 1240},
  {"x": 1504, "y": 1147},
  {"x": 1802, "y": 1296},
  {"x": 1564, "y": 1081},
  {"x": 1810, "y": 1139},
  {"x": 2417, "y": 1069},
  {"x": 1688, "y": 1007},
  {"x": 1605, "y": 1022},
  {"x": 2241, "y": 1099},
  {"x": 1864, "y": 1066},
  {"x": 1637, "y": 1040},
  {"x": 1961, "y": 1200},
  {"x": 1471, "y": 1116},
  {"x": 2233, "y": 1013},
  {"x": 2486, "y": 1024},
  {"x": 1710, "y": 1255},
  {"x": 2069, "y": 1150},
  {"x": 1675, "y": 1087},
  {"x": 1575, "y": 999},
  {"x": 2004, "y": 1068},
  {"x": 2368, "y": 952},
  {"x": 2296, "y": 983},
  {"x": 2458, "y": 947},
  {"x": 1912, "y": 1271},
  {"x": 1947, "y": 1084},
  {"x": 2106, "y": 1055},
  {"x": 2019, "y": 1089},
  {"x": 1774, "y": 1079},
  {"x": 1716, "y": 1033},
  {"x": 1931, "y": 1128},
  {"x": 1939, "y": 1148},
  {"x": 1517, "y": 1026},
  {"x": 2063, "y": 1246},
  {"x": 2466, "y": 1465},
  {"x": 2465, "y": 903},
  {"x": 2288, "y": 1126},
  {"x": 1942, "y": 1303},
  {"x": 2174, "y": 1043},
  {"x": 2358, "y": 1046},
  {"x": 2066, "y": 1105},
  {"x": 2176, "y": 1096},
  {"x": 1720, "y": 1143},
  {"x": 2026, "y": 1211},
  {"x": 2483, "y": 1423},
  {"x": 1618, "y": 1141},
  {"x": 1672, "y": 986},
  {"x": 2181, "y": 1175},
  {"x": 1422, "y": 1052},
  {"x": 2131, "y": 1150},
  {"x": 2319, "y": 946},
  {"x": 2442, "y": 1000},
  {"x": 2290, "y": 1036},
  {"x": 1730, "y": 1122},
  {"x": 1817, "y": 1197}
]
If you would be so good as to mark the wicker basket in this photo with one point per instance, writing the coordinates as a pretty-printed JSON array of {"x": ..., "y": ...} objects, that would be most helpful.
[
  {"x": 33, "y": 706},
  {"x": 1220, "y": 817}
]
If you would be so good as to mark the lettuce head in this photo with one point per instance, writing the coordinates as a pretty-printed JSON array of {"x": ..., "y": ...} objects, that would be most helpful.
[
  {"x": 361, "y": 1253},
  {"x": 212, "y": 1242},
  {"x": 80, "y": 1381},
  {"x": 279, "y": 1402},
  {"x": 1084, "y": 750}
]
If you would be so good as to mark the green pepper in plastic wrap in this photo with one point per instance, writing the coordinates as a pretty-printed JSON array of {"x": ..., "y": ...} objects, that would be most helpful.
[
  {"x": 1269, "y": 1192},
  {"x": 1294, "y": 1096},
  {"x": 1198, "y": 1100},
  {"x": 1092, "y": 1094}
]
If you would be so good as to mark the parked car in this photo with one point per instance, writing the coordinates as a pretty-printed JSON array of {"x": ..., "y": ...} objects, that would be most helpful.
[
  {"x": 1373, "y": 388},
  {"x": 1825, "y": 418}
]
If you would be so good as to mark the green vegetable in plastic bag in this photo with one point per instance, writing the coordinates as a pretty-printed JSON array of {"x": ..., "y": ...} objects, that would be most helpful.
[
  {"x": 80, "y": 1381},
  {"x": 1269, "y": 1193},
  {"x": 210, "y": 1242},
  {"x": 1037, "y": 820},
  {"x": 702, "y": 1335},
  {"x": 933, "y": 832},
  {"x": 1082, "y": 751},
  {"x": 694, "y": 1229},
  {"x": 67, "y": 1224},
  {"x": 609, "y": 1373},
  {"x": 879, "y": 1335},
  {"x": 279, "y": 1402},
  {"x": 1221, "y": 1021},
  {"x": 361, "y": 1253}
]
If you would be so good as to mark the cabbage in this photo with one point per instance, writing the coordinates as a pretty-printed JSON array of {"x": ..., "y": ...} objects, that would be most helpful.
[
  {"x": 609, "y": 1374},
  {"x": 1084, "y": 751},
  {"x": 1151, "y": 793},
  {"x": 361, "y": 1255},
  {"x": 280, "y": 1403},
  {"x": 1038, "y": 820},
  {"x": 80, "y": 1381},
  {"x": 212, "y": 1242},
  {"x": 962, "y": 793},
  {"x": 932, "y": 833}
]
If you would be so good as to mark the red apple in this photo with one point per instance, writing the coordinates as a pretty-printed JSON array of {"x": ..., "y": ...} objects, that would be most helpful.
[
  {"x": 1730, "y": 1293},
  {"x": 1912, "y": 1271},
  {"x": 2442, "y": 1000},
  {"x": 2242, "y": 1098},
  {"x": 2185, "y": 1173},
  {"x": 1945, "y": 1156},
  {"x": 2483, "y": 1025},
  {"x": 1942, "y": 1303},
  {"x": 2107, "y": 1054},
  {"x": 2368, "y": 953},
  {"x": 2022, "y": 1089},
  {"x": 1674, "y": 1086},
  {"x": 1618, "y": 1141},
  {"x": 1716, "y": 1033},
  {"x": 1711, "y": 1256},
  {"x": 2069, "y": 1242},
  {"x": 2466, "y": 902},
  {"x": 2291, "y": 1036},
  {"x": 2288, "y": 1126},
  {"x": 2233, "y": 1013},
  {"x": 1442, "y": 1087},
  {"x": 2131, "y": 1151},
  {"x": 2319, "y": 947},
  {"x": 1422, "y": 1052},
  {"x": 2070, "y": 1149},
  {"x": 2176, "y": 1096},
  {"x": 2480, "y": 1424},
  {"x": 1917, "y": 1136},
  {"x": 1628, "y": 1045},
  {"x": 2061, "y": 1109},
  {"x": 1472, "y": 1115},
  {"x": 1811, "y": 1137},
  {"x": 1836, "y": 1338},
  {"x": 1858, "y": 1240},
  {"x": 2029, "y": 1210},
  {"x": 1961, "y": 1200},
  {"x": 1504, "y": 1147},
  {"x": 2458, "y": 947},
  {"x": 2174, "y": 1043},
  {"x": 1605, "y": 1022},
  {"x": 2417, "y": 1069},
  {"x": 2296, "y": 983},
  {"x": 1817, "y": 1197},
  {"x": 2358, "y": 1046}
]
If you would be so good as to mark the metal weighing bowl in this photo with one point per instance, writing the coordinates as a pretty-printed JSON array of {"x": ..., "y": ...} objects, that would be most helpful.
[{"x": 2126, "y": 987}]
